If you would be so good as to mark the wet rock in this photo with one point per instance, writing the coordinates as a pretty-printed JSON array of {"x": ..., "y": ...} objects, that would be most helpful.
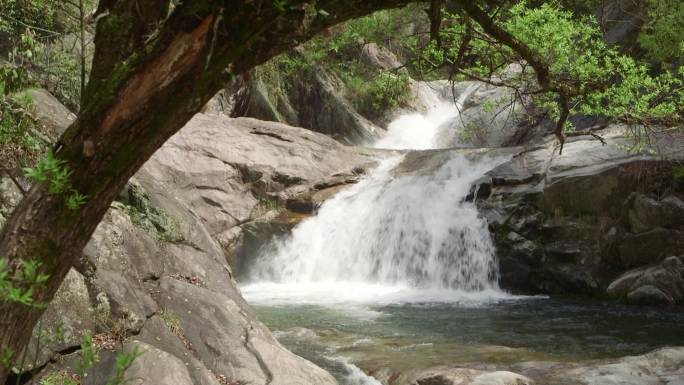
[
  {"x": 658, "y": 284},
  {"x": 648, "y": 213},
  {"x": 573, "y": 210},
  {"x": 649, "y": 247},
  {"x": 471, "y": 377},
  {"x": 663, "y": 366}
]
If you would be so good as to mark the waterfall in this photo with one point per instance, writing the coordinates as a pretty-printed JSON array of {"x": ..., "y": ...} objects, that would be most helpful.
[
  {"x": 424, "y": 131},
  {"x": 391, "y": 232}
]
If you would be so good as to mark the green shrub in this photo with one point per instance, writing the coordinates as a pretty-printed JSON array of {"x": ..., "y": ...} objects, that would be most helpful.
[
  {"x": 373, "y": 94},
  {"x": 172, "y": 321},
  {"x": 662, "y": 34}
]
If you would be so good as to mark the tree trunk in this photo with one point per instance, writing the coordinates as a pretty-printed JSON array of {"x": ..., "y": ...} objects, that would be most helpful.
[{"x": 151, "y": 73}]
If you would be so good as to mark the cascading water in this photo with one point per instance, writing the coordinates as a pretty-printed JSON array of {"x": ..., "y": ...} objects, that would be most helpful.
[{"x": 388, "y": 235}]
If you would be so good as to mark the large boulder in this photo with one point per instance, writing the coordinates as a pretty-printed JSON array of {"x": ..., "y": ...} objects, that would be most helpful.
[
  {"x": 461, "y": 376},
  {"x": 49, "y": 112},
  {"x": 663, "y": 366},
  {"x": 155, "y": 277},
  {"x": 570, "y": 223},
  {"x": 659, "y": 284},
  {"x": 313, "y": 99},
  {"x": 227, "y": 173}
]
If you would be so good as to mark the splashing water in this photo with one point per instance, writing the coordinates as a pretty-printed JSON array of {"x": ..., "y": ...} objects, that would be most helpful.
[
  {"x": 422, "y": 131},
  {"x": 390, "y": 237}
]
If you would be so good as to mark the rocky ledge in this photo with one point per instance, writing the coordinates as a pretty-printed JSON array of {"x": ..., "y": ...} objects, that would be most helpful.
[
  {"x": 663, "y": 366},
  {"x": 573, "y": 223},
  {"x": 157, "y": 277}
]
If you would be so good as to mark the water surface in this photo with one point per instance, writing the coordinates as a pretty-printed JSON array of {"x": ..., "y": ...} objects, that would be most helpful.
[{"x": 405, "y": 336}]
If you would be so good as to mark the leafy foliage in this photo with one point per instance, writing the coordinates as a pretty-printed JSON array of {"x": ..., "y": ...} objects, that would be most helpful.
[
  {"x": 61, "y": 377},
  {"x": 43, "y": 38},
  {"x": 376, "y": 93},
  {"x": 124, "y": 360},
  {"x": 663, "y": 32},
  {"x": 19, "y": 284},
  {"x": 172, "y": 321},
  {"x": 88, "y": 358},
  {"x": 152, "y": 219},
  {"x": 595, "y": 78},
  {"x": 20, "y": 140},
  {"x": 56, "y": 174},
  {"x": 371, "y": 90}
]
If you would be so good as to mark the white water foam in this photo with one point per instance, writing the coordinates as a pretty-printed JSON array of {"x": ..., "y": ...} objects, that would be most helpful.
[
  {"x": 422, "y": 131},
  {"x": 354, "y": 374},
  {"x": 391, "y": 238},
  {"x": 413, "y": 230}
]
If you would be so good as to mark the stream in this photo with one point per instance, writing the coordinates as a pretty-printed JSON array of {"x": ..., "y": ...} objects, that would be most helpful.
[{"x": 398, "y": 273}]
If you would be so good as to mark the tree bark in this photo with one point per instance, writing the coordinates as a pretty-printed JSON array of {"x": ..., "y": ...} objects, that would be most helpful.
[{"x": 151, "y": 73}]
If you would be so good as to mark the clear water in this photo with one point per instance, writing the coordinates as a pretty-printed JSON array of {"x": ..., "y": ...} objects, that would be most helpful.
[
  {"x": 398, "y": 273},
  {"x": 403, "y": 337}
]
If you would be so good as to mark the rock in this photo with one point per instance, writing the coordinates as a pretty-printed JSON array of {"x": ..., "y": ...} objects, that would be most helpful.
[
  {"x": 673, "y": 210},
  {"x": 10, "y": 196},
  {"x": 649, "y": 247},
  {"x": 152, "y": 366},
  {"x": 489, "y": 118},
  {"x": 623, "y": 21},
  {"x": 649, "y": 294},
  {"x": 216, "y": 165},
  {"x": 663, "y": 366},
  {"x": 232, "y": 341},
  {"x": 658, "y": 284},
  {"x": 379, "y": 57},
  {"x": 65, "y": 321},
  {"x": 156, "y": 333},
  {"x": 129, "y": 300},
  {"x": 570, "y": 209},
  {"x": 313, "y": 100},
  {"x": 648, "y": 213},
  {"x": 52, "y": 114},
  {"x": 470, "y": 377}
]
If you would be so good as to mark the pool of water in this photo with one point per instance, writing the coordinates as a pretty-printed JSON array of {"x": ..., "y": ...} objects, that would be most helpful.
[{"x": 419, "y": 335}]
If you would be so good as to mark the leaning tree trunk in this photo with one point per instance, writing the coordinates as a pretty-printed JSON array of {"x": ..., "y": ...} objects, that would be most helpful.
[{"x": 151, "y": 73}]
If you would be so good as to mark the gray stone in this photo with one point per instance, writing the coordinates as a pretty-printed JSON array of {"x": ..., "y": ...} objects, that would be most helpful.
[
  {"x": 231, "y": 342},
  {"x": 153, "y": 366},
  {"x": 663, "y": 366},
  {"x": 64, "y": 323},
  {"x": 379, "y": 57},
  {"x": 52, "y": 114},
  {"x": 657, "y": 284},
  {"x": 156, "y": 333},
  {"x": 649, "y": 294},
  {"x": 648, "y": 213},
  {"x": 650, "y": 247},
  {"x": 314, "y": 100},
  {"x": 462, "y": 376},
  {"x": 216, "y": 165}
]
